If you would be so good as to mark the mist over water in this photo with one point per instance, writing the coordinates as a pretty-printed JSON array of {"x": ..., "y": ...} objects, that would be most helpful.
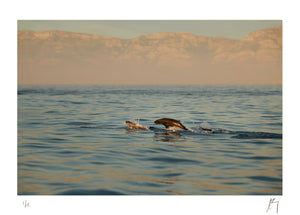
[{"x": 72, "y": 140}]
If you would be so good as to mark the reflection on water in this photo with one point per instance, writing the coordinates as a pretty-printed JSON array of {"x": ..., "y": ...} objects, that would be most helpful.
[
  {"x": 72, "y": 140},
  {"x": 168, "y": 137}
]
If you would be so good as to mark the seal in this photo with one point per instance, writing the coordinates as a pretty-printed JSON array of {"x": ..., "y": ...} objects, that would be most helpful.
[
  {"x": 168, "y": 122},
  {"x": 133, "y": 125}
]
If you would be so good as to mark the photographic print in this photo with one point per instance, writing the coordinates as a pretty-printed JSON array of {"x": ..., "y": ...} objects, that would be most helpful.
[{"x": 149, "y": 107}]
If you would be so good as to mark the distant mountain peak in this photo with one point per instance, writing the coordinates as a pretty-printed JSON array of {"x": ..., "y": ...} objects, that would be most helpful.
[
  {"x": 275, "y": 32},
  {"x": 43, "y": 54}
]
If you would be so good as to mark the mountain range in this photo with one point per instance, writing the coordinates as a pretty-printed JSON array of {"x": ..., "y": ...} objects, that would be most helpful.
[{"x": 58, "y": 57}]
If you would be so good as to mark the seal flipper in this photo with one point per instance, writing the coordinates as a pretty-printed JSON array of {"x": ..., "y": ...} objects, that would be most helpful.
[{"x": 168, "y": 122}]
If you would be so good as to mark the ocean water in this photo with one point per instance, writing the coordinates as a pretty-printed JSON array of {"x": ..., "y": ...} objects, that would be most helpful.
[{"x": 72, "y": 140}]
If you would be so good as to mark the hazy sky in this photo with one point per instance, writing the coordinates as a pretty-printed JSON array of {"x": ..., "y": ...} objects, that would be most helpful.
[{"x": 235, "y": 29}]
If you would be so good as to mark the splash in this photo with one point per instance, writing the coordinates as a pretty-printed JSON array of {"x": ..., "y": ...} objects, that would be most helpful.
[
  {"x": 135, "y": 124},
  {"x": 205, "y": 125},
  {"x": 203, "y": 128}
]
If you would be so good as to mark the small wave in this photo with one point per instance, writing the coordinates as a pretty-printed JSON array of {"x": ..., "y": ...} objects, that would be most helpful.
[
  {"x": 232, "y": 152},
  {"x": 66, "y": 152},
  {"x": 56, "y": 139},
  {"x": 95, "y": 114},
  {"x": 59, "y": 184},
  {"x": 70, "y": 153},
  {"x": 92, "y": 127},
  {"x": 170, "y": 175},
  {"x": 161, "y": 150},
  {"x": 265, "y": 178},
  {"x": 48, "y": 90},
  {"x": 37, "y": 145},
  {"x": 80, "y": 123},
  {"x": 258, "y": 157},
  {"x": 98, "y": 163},
  {"x": 173, "y": 160},
  {"x": 78, "y": 103},
  {"x": 90, "y": 192},
  {"x": 234, "y": 183},
  {"x": 51, "y": 111},
  {"x": 53, "y": 140},
  {"x": 257, "y": 135},
  {"x": 29, "y": 91},
  {"x": 259, "y": 142},
  {"x": 145, "y": 184},
  {"x": 197, "y": 113},
  {"x": 71, "y": 102},
  {"x": 35, "y": 123}
]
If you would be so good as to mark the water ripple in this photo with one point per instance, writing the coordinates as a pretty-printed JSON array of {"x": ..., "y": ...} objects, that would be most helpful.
[
  {"x": 172, "y": 160},
  {"x": 90, "y": 192},
  {"x": 265, "y": 178},
  {"x": 71, "y": 140}
]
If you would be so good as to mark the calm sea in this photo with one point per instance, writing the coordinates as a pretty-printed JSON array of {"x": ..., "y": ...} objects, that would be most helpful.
[{"x": 73, "y": 140}]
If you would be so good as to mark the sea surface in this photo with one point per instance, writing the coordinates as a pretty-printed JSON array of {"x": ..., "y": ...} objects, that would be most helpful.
[{"x": 72, "y": 140}]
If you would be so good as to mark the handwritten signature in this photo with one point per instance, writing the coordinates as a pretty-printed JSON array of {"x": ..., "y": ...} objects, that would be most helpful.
[
  {"x": 271, "y": 203},
  {"x": 26, "y": 204}
]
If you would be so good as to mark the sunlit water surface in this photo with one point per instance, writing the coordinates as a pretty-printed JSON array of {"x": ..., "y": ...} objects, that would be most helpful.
[{"x": 73, "y": 140}]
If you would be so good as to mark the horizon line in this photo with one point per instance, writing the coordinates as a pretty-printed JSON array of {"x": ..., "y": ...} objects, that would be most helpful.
[{"x": 156, "y": 32}]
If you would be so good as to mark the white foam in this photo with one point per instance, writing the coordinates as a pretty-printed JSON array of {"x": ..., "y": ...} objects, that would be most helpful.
[
  {"x": 205, "y": 125},
  {"x": 174, "y": 128}
]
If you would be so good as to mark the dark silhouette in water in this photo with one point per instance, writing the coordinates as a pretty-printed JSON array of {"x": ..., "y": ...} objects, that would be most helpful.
[{"x": 167, "y": 122}]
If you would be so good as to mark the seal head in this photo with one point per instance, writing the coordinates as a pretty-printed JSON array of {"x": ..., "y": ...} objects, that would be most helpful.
[{"x": 133, "y": 125}]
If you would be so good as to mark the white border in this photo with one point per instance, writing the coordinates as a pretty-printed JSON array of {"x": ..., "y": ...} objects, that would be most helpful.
[{"x": 188, "y": 9}]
